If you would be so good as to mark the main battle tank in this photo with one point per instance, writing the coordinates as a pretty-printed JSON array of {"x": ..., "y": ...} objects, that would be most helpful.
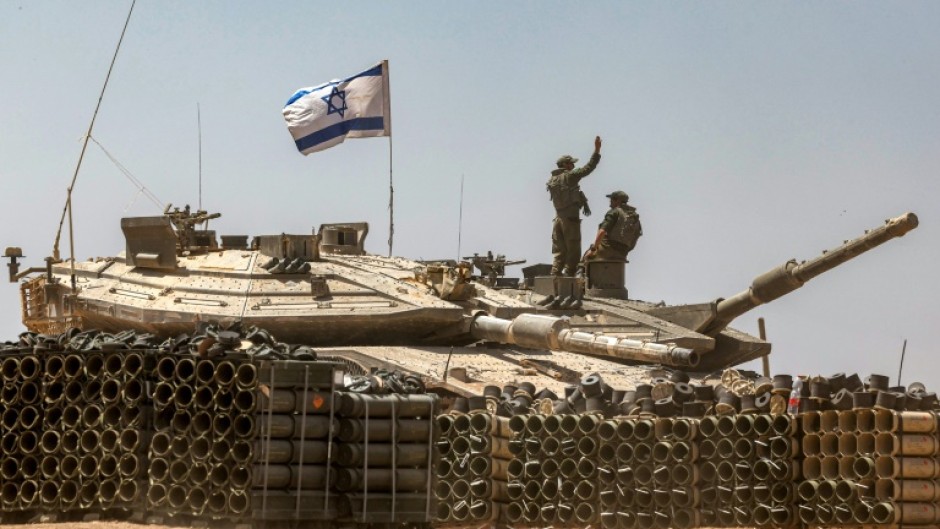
[{"x": 436, "y": 320}]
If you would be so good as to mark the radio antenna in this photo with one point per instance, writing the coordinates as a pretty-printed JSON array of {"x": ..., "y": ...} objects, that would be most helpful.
[
  {"x": 901, "y": 366},
  {"x": 199, "y": 127},
  {"x": 68, "y": 201},
  {"x": 460, "y": 219}
]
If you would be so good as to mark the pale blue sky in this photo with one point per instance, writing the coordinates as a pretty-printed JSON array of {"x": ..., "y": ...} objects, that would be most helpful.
[{"x": 746, "y": 133}]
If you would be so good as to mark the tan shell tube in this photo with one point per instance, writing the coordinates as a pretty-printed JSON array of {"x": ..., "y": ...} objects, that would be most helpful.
[
  {"x": 864, "y": 467},
  {"x": 865, "y": 421},
  {"x": 807, "y": 514},
  {"x": 708, "y": 426},
  {"x": 830, "y": 467},
  {"x": 725, "y": 425},
  {"x": 484, "y": 510},
  {"x": 810, "y": 422},
  {"x": 684, "y": 429},
  {"x": 908, "y": 490},
  {"x": 484, "y": 423},
  {"x": 907, "y": 513},
  {"x": 785, "y": 425},
  {"x": 685, "y": 474},
  {"x": 848, "y": 421},
  {"x": 865, "y": 444},
  {"x": 848, "y": 445},
  {"x": 847, "y": 467},
  {"x": 829, "y": 444},
  {"x": 829, "y": 421},
  {"x": 811, "y": 445},
  {"x": 907, "y": 467},
  {"x": 482, "y": 466},
  {"x": 460, "y": 489},
  {"x": 812, "y": 468},
  {"x": 686, "y": 518},
  {"x": 906, "y": 444},
  {"x": 914, "y": 422},
  {"x": 884, "y": 421}
]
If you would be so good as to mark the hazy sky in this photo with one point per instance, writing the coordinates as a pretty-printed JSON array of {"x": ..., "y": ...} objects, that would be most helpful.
[{"x": 746, "y": 134}]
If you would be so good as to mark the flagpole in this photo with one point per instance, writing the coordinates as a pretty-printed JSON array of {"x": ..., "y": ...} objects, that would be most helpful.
[
  {"x": 391, "y": 199},
  {"x": 391, "y": 185}
]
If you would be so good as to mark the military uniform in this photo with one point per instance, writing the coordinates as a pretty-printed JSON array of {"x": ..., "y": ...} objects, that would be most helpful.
[
  {"x": 622, "y": 228},
  {"x": 566, "y": 196}
]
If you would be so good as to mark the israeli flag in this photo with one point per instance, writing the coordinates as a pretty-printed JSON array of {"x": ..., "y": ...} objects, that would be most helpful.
[{"x": 322, "y": 116}]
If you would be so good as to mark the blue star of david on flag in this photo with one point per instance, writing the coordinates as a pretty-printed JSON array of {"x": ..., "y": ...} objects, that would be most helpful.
[
  {"x": 331, "y": 107},
  {"x": 319, "y": 117}
]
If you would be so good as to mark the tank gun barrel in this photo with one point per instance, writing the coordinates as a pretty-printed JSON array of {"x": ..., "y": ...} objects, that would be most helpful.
[
  {"x": 548, "y": 332},
  {"x": 790, "y": 276}
]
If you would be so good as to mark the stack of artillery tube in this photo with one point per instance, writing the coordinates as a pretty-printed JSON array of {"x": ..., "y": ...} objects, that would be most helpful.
[
  {"x": 472, "y": 469},
  {"x": 196, "y": 458},
  {"x": 870, "y": 466},
  {"x": 21, "y": 427},
  {"x": 578, "y": 470},
  {"x": 91, "y": 422},
  {"x": 291, "y": 478},
  {"x": 554, "y": 478},
  {"x": 665, "y": 492},
  {"x": 747, "y": 470},
  {"x": 626, "y": 473},
  {"x": 85, "y": 418},
  {"x": 647, "y": 473},
  {"x": 384, "y": 456},
  {"x": 271, "y": 441},
  {"x": 74, "y": 431}
]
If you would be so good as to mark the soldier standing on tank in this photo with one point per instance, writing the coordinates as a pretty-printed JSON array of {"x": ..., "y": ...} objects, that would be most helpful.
[
  {"x": 566, "y": 196},
  {"x": 617, "y": 233}
]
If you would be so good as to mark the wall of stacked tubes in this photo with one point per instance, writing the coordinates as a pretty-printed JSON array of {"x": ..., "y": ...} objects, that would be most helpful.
[
  {"x": 472, "y": 468},
  {"x": 101, "y": 427},
  {"x": 235, "y": 440},
  {"x": 73, "y": 430},
  {"x": 870, "y": 466},
  {"x": 199, "y": 461},
  {"x": 112, "y": 427},
  {"x": 577, "y": 470},
  {"x": 861, "y": 467}
]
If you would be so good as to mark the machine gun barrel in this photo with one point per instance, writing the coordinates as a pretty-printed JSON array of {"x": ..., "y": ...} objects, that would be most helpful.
[
  {"x": 548, "y": 332},
  {"x": 790, "y": 276}
]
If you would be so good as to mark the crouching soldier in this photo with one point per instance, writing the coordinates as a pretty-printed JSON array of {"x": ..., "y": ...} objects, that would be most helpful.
[{"x": 618, "y": 233}]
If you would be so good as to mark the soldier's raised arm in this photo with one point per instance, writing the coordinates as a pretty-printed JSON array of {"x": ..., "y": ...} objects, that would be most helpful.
[{"x": 581, "y": 172}]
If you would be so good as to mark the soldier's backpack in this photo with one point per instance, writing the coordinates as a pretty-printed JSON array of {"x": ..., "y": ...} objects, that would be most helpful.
[{"x": 627, "y": 230}]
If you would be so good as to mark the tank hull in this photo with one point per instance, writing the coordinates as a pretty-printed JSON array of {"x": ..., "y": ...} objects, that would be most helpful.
[{"x": 407, "y": 327}]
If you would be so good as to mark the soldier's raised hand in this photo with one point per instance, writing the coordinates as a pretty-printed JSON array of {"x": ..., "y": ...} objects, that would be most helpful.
[{"x": 597, "y": 144}]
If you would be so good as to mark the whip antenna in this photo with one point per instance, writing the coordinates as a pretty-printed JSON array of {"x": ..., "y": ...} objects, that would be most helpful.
[
  {"x": 199, "y": 127},
  {"x": 460, "y": 219},
  {"x": 68, "y": 200}
]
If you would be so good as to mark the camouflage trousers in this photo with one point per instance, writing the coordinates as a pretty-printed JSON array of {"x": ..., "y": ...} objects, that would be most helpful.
[
  {"x": 566, "y": 246},
  {"x": 607, "y": 251}
]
